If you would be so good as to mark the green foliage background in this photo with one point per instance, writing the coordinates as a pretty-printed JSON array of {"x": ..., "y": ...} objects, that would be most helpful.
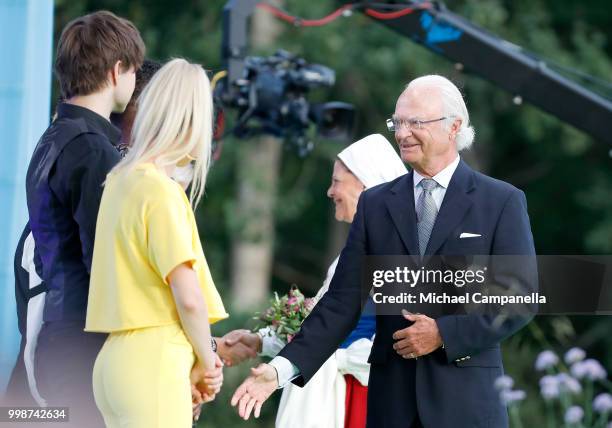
[{"x": 566, "y": 175}]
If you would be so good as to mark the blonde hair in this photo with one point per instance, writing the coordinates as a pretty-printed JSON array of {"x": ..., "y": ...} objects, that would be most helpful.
[{"x": 174, "y": 121}]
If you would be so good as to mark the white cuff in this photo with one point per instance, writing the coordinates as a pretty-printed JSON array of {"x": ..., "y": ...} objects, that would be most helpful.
[
  {"x": 271, "y": 344},
  {"x": 285, "y": 370}
]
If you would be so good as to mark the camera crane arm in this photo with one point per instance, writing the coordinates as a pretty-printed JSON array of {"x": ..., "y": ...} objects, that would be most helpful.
[
  {"x": 445, "y": 33},
  {"x": 503, "y": 63}
]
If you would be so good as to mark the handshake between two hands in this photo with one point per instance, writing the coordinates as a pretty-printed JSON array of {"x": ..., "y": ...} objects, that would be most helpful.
[
  {"x": 234, "y": 348},
  {"x": 420, "y": 338}
]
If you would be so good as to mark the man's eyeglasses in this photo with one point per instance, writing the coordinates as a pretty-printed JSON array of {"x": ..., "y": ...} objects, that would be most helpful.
[{"x": 395, "y": 124}]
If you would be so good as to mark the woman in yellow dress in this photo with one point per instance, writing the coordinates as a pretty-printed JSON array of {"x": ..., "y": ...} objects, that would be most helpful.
[{"x": 151, "y": 287}]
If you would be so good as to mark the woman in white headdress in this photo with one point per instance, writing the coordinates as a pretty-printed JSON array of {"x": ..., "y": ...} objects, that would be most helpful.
[{"x": 336, "y": 396}]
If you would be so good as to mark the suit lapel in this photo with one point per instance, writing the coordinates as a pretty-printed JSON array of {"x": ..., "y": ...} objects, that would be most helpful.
[
  {"x": 400, "y": 203},
  {"x": 455, "y": 205}
]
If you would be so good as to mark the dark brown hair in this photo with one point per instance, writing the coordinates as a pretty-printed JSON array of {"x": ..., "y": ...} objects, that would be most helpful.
[
  {"x": 90, "y": 46},
  {"x": 125, "y": 120}
]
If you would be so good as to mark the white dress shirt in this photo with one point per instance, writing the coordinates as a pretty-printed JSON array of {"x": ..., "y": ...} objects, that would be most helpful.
[{"x": 443, "y": 179}]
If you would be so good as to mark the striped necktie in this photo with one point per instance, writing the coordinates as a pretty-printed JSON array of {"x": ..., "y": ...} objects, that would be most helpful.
[{"x": 426, "y": 212}]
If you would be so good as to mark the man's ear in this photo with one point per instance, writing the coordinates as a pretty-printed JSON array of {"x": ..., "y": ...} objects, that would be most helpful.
[
  {"x": 115, "y": 73},
  {"x": 456, "y": 125}
]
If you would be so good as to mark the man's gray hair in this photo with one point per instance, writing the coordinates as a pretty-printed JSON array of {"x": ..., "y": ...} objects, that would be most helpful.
[{"x": 453, "y": 106}]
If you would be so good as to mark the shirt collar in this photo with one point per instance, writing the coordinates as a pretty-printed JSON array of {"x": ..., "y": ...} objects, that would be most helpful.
[
  {"x": 443, "y": 178},
  {"x": 93, "y": 119}
]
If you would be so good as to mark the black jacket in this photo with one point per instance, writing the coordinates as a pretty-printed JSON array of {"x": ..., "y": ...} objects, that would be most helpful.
[
  {"x": 444, "y": 389},
  {"x": 64, "y": 188}
]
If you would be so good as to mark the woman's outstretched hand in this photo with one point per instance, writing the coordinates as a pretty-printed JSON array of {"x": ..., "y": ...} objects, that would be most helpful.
[{"x": 255, "y": 390}]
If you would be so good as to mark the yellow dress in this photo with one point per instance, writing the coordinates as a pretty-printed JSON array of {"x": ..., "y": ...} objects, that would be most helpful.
[{"x": 145, "y": 229}]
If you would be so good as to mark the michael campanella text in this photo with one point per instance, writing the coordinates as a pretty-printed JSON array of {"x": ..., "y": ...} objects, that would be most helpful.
[{"x": 443, "y": 298}]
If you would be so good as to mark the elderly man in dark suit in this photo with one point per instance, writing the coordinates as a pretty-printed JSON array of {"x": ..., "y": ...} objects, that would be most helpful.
[{"x": 426, "y": 371}]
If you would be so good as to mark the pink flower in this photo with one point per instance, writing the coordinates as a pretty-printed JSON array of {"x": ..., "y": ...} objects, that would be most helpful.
[
  {"x": 309, "y": 304},
  {"x": 289, "y": 338},
  {"x": 292, "y": 301}
]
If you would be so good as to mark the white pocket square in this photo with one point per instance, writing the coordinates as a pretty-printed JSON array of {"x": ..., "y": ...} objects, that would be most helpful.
[{"x": 469, "y": 235}]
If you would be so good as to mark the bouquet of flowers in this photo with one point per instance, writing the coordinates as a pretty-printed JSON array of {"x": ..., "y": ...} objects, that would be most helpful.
[{"x": 285, "y": 314}]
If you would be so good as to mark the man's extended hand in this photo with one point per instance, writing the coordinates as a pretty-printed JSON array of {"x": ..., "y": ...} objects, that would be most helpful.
[
  {"x": 207, "y": 382},
  {"x": 238, "y": 346},
  {"x": 421, "y": 338},
  {"x": 255, "y": 390}
]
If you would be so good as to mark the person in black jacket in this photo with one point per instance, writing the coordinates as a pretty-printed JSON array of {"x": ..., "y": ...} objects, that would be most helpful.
[
  {"x": 434, "y": 367},
  {"x": 97, "y": 57},
  {"x": 21, "y": 389}
]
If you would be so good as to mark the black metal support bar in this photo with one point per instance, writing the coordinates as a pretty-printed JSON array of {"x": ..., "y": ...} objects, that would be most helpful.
[
  {"x": 499, "y": 61},
  {"x": 234, "y": 44},
  {"x": 506, "y": 65}
]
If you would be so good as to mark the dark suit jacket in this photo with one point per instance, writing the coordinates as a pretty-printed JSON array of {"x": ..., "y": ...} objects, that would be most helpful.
[{"x": 451, "y": 387}]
